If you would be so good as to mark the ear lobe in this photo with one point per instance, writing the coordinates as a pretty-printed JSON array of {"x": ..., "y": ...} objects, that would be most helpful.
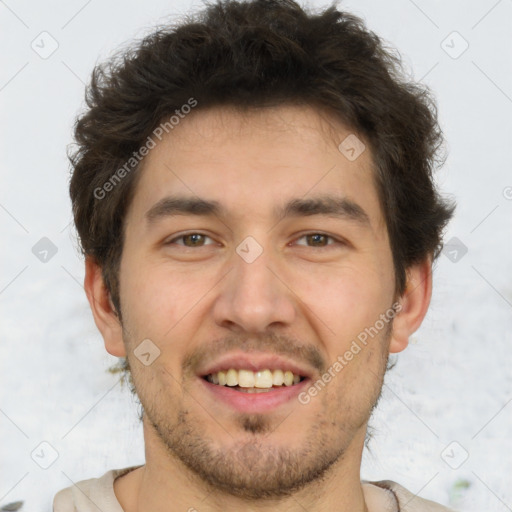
[
  {"x": 414, "y": 304},
  {"x": 103, "y": 309}
]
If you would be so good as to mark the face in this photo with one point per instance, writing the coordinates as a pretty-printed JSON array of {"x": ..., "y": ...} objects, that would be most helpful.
[{"x": 254, "y": 247}]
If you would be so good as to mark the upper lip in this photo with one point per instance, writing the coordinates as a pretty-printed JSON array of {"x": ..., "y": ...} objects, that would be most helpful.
[{"x": 255, "y": 361}]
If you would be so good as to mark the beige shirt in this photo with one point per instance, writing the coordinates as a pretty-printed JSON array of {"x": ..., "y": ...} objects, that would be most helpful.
[{"x": 98, "y": 494}]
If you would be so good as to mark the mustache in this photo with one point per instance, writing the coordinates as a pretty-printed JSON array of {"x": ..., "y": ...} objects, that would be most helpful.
[{"x": 278, "y": 344}]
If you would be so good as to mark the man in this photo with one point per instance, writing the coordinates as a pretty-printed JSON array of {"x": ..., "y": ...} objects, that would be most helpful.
[{"x": 253, "y": 194}]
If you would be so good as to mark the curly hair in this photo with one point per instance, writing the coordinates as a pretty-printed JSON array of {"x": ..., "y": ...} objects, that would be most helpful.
[{"x": 250, "y": 54}]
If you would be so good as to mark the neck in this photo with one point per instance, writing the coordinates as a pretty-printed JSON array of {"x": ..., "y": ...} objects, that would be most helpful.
[{"x": 165, "y": 480}]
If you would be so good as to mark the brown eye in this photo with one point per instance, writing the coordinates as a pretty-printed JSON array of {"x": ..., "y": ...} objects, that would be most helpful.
[
  {"x": 193, "y": 240},
  {"x": 316, "y": 240},
  {"x": 190, "y": 240}
]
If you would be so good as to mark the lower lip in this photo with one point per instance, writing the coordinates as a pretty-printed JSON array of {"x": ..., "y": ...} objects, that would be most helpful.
[{"x": 255, "y": 402}]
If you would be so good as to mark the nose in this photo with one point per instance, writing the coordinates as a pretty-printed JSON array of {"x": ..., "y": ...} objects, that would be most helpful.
[{"x": 253, "y": 297}]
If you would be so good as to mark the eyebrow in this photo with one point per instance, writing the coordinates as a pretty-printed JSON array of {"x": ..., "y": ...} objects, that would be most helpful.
[
  {"x": 332, "y": 206},
  {"x": 169, "y": 206}
]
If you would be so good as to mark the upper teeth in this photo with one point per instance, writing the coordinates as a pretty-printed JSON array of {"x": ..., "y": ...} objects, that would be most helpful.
[{"x": 250, "y": 379}]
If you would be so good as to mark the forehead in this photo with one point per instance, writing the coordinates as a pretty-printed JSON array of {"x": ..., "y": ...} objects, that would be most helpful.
[{"x": 251, "y": 161}]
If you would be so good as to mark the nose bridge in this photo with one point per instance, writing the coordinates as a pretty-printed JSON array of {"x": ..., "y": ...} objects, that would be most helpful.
[
  {"x": 252, "y": 276},
  {"x": 252, "y": 297}
]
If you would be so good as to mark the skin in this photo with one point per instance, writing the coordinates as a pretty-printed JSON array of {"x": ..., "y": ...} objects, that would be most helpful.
[{"x": 198, "y": 303}]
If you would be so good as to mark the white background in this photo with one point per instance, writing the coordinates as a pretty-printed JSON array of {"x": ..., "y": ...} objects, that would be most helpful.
[{"x": 452, "y": 384}]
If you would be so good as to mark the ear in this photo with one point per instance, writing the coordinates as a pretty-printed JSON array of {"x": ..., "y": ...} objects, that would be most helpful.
[
  {"x": 414, "y": 304},
  {"x": 102, "y": 309}
]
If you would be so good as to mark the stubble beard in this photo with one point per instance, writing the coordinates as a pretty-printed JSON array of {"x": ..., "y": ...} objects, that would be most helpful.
[
  {"x": 252, "y": 470},
  {"x": 257, "y": 469}
]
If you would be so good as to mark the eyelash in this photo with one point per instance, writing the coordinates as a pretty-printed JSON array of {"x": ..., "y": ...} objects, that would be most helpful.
[
  {"x": 329, "y": 237},
  {"x": 173, "y": 241}
]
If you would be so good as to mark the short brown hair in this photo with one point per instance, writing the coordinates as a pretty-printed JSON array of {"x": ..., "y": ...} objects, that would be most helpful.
[{"x": 253, "y": 54}]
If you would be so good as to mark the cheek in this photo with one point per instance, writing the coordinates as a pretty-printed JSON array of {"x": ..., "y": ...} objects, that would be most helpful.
[
  {"x": 346, "y": 299},
  {"x": 156, "y": 299}
]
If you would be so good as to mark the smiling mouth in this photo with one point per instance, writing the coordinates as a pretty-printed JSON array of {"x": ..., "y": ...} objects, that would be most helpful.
[{"x": 247, "y": 381}]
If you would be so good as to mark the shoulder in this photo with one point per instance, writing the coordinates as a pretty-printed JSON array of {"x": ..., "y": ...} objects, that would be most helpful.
[
  {"x": 89, "y": 495},
  {"x": 391, "y": 495}
]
